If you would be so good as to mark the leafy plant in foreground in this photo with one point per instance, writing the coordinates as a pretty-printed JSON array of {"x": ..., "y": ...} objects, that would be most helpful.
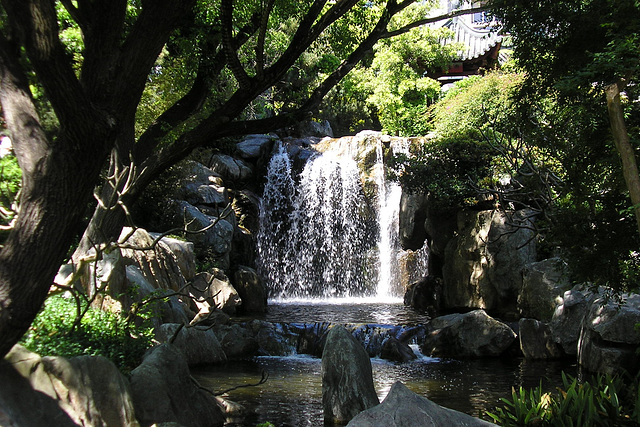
[
  {"x": 98, "y": 333},
  {"x": 604, "y": 401}
]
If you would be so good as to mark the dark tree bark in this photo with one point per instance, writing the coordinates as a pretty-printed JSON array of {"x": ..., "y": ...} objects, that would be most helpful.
[
  {"x": 624, "y": 147},
  {"x": 59, "y": 176}
]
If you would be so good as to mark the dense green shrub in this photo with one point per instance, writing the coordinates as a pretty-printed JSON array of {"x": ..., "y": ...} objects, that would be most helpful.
[
  {"x": 603, "y": 401},
  {"x": 461, "y": 156},
  {"x": 54, "y": 333}
]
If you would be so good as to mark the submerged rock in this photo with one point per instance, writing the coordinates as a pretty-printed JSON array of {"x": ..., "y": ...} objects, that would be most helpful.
[
  {"x": 347, "y": 379},
  {"x": 404, "y": 408}
]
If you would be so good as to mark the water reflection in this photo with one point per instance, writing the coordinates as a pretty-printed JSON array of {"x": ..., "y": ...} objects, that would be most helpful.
[
  {"x": 293, "y": 394},
  {"x": 345, "y": 310}
]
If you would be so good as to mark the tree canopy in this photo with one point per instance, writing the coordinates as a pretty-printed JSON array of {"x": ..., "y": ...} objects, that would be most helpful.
[{"x": 111, "y": 93}]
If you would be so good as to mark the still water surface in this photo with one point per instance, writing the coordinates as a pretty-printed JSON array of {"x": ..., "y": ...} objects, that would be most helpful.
[{"x": 292, "y": 396}]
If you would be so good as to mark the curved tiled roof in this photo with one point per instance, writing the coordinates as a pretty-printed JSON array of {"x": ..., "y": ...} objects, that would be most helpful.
[{"x": 478, "y": 40}]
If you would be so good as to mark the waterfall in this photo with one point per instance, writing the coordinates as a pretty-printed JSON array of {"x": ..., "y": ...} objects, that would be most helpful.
[{"x": 331, "y": 231}]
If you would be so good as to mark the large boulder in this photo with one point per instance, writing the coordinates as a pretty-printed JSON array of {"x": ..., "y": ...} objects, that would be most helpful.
[
  {"x": 165, "y": 310},
  {"x": 216, "y": 239},
  {"x": 469, "y": 335},
  {"x": 254, "y": 146},
  {"x": 425, "y": 295},
  {"x": 536, "y": 340},
  {"x": 566, "y": 323},
  {"x": 89, "y": 389},
  {"x": 411, "y": 218},
  {"x": 214, "y": 286},
  {"x": 404, "y": 408},
  {"x": 183, "y": 252},
  {"x": 230, "y": 169},
  {"x": 347, "y": 379},
  {"x": 251, "y": 290},
  {"x": 238, "y": 342},
  {"x": 199, "y": 346},
  {"x": 543, "y": 286},
  {"x": 211, "y": 195},
  {"x": 609, "y": 339},
  {"x": 483, "y": 264},
  {"x": 157, "y": 262},
  {"x": 164, "y": 392}
]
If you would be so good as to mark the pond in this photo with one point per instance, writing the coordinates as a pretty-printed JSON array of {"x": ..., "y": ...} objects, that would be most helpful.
[{"x": 292, "y": 395}]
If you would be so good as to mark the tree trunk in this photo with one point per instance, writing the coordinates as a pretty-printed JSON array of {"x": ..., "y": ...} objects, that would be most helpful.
[{"x": 624, "y": 147}]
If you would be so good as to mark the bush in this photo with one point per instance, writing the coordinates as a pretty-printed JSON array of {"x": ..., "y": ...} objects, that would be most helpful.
[
  {"x": 53, "y": 333},
  {"x": 605, "y": 401}
]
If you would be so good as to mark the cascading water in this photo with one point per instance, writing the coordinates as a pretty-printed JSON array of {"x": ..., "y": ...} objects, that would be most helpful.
[{"x": 321, "y": 237}]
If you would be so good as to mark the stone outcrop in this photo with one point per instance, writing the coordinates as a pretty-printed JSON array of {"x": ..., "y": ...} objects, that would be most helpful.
[
  {"x": 609, "y": 339},
  {"x": 198, "y": 346},
  {"x": 251, "y": 290},
  {"x": 425, "y": 295},
  {"x": 230, "y": 169},
  {"x": 536, "y": 340},
  {"x": 347, "y": 380},
  {"x": 237, "y": 341},
  {"x": 163, "y": 392},
  {"x": 411, "y": 220},
  {"x": 483, "y": 264},
  {"x": 566, "y": 323},
  {"x": 469, "y": 335},
  {"x": 216, "y": 288},
  {"x": 89, "y": 390},
  {"x": 543, "y": 286},
  {"x": 404, "y": 408}
]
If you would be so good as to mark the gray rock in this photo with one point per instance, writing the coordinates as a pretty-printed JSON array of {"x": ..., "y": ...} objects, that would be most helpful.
[
  {"x": 347, "y": 380},
  {"x": 474, "y": 334},
  {"x": 395, "y": 350},
  {"x": 230, "y": 169},
  {"x": 536, "y": 341},
  {"x": 237, "y": 341},
  {"x": 164, "y": 392},
  {"x": 404, "y": 408},
  {"x": 251, "y": 290},
  {"x": 566, "y": 323},
  {"x": 412, "y": 216},
  {"x": 483, "y": 264},
  {"x": 158, "y": 264},
  {"x": 425, "y": 295},
  {"x": 217, "y": 239},
  {"x": 195, "y": 172},
  {"x": 251, "y": 147},
  {"x": 217, "y": 289},
  {"x": 205, "y": 194},
  {"x": 274, "y": 339},
  {"x": 183, "y": 251},
  {"x": 198, "y": 346},
  {"x": 543, "y": 286},
  {"x": 90, "y": 389},
  {"x": 609, "y": 339}
]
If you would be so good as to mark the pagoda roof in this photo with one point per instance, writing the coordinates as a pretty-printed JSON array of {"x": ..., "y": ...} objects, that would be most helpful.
[{"x": 477, "y": 40}]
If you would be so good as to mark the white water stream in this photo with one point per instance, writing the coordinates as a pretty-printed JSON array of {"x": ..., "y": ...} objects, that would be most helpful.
[{"x": 324, "y": 238}]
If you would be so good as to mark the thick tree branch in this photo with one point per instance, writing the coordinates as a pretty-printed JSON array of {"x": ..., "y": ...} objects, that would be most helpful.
[
  {"x": 193, "y": 100},
  {"x": 226, "y": 9},
  {"x": 141, "y": 49},
  {"x": 35, "y": 23}
]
